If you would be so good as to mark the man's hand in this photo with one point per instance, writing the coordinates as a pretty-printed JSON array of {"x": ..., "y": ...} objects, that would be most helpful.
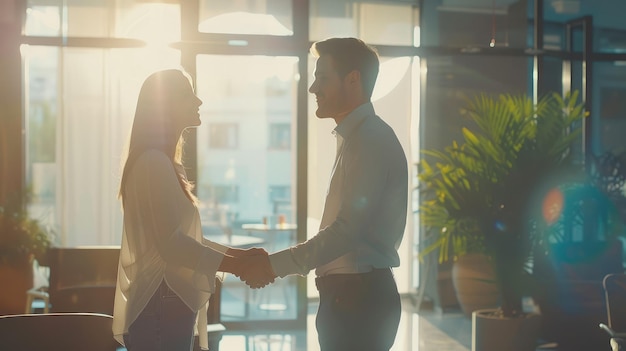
[
  {"x": 257, "y": 271},
  {"x": 252, "y": 266},
  {"x": 247, "y": 252}
]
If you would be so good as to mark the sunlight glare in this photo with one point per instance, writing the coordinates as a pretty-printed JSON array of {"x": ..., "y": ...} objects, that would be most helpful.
[
  {"x": 42, "y": 20},
  {"x": 244, "y": 23},
  {"x": 266, "y": 67},
  {"x": 391, "y": 73},
  {"x": 156, "y": 24},
  {"x": 417, "y": 36}
]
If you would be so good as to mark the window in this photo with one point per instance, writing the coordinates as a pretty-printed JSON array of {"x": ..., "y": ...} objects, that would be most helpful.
[
  {"x": 280, "y": 136},
  {"x": 242, "y": 126},
  {"x": 228, "y": 194},
  {"x": 376, "y": 22},
  {"x": 137, "y": 19},
  {"x": 280, "y": 198},
  {"x": 477, "y": 24},
  {"x": 223, "y": 136},
  {"x": 79, "y": 108}
]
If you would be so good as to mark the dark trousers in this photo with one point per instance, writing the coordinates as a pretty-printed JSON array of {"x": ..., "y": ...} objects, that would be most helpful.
[
  {"x": 358, "y": 311},
  {"x": 165, "y": 324}
]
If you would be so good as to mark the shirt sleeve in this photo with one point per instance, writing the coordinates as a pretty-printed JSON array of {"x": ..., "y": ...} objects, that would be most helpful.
[
  {"x": 283, "y": 263},
  {"x": 162, "y": 215},
  {"x": 364, "y": 180},
  {"x": 215, "y": 246}
]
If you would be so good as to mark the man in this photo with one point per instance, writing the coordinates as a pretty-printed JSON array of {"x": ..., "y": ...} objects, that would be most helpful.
[{"x": 365, "y": 210}]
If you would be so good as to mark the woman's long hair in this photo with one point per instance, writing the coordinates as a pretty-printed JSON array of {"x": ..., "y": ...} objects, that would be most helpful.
[{"x": 153, "y": 127}]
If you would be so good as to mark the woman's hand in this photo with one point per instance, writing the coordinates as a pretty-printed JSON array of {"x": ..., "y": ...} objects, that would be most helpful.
[{"x": 252, "y": 266}]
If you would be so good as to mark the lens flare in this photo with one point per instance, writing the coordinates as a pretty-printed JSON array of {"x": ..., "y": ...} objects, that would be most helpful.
[{"x": 552, "y": 206}]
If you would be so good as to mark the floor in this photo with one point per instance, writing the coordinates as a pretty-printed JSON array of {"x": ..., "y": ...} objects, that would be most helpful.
[{"x": 426, "y": 331}]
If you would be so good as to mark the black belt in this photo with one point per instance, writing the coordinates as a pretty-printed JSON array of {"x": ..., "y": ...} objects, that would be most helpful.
[{"x": 326, "y": 281}]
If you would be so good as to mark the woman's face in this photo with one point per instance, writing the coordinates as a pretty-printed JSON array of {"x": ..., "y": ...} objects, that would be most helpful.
[{"x": 185, "y": 106}]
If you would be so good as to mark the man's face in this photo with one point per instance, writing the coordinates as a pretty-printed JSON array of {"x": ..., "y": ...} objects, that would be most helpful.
[{"x": 329, "y": 89}]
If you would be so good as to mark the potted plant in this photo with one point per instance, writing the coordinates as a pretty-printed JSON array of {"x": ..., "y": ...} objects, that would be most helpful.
[
  {"x": 483, "y": 194},
  {"x": 22, "y": 240}
]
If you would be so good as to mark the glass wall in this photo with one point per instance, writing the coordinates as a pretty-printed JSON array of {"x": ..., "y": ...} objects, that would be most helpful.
[
  {"x": 451, "y": 80},
  {"x": 608, "y": 25},
  {"x": 609, "y": 111},
  {"x": 477, "y": 24}
]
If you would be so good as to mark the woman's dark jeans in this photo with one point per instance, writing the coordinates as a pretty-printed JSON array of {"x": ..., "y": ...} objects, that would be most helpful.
[{"x": 165, "y": 324}]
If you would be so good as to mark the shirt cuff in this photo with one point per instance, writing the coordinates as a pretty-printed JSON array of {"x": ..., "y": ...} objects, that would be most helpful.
[
  {"x": 205, "y": 273},
  {"x": 283, "y": 263},
  {"x": 215, "y": 246}
]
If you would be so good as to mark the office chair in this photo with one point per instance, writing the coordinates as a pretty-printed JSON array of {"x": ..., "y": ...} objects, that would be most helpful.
[
  {"x": 57, "y": 332},
  {"x": 82, "y": 279},
  {"x": 92, "y": 299},
  {"x": 615, "y": 295}
]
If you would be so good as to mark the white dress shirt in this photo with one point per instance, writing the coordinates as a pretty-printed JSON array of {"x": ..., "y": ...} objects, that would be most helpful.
[
  {"x": 162, "y": 239},
  {"x": 366, "y": 205}
]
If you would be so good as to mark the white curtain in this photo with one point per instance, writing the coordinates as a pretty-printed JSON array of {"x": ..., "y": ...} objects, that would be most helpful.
[
  {"x": 91, "y": 94},
  {"x": 100, "y": 89}
]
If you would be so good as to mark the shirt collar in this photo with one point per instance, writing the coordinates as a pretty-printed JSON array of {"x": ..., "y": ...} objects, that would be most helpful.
[{"x": 354, "y": 119}]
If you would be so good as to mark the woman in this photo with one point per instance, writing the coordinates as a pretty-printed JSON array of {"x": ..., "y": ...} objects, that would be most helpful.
[{"x": 167, "y": 270}]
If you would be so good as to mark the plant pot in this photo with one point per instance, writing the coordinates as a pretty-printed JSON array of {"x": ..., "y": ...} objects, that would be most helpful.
[
  {"x": 15, "y": 280},
  {"x": 475, "y": 283},
  {"x": 492, "y": 332}
]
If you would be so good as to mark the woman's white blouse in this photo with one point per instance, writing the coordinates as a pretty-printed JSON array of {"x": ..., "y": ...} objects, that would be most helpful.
[{"x": 162, "y": 239}]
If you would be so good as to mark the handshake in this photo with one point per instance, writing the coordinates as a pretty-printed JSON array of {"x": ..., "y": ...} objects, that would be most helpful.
[{"x": 252, "y": 266}]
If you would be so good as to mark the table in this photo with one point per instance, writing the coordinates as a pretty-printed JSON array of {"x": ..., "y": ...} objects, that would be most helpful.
[{"x": 271, "y": 231}]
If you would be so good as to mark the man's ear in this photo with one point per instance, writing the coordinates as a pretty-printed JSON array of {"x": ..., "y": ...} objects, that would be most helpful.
[{"x": 354, "y": 77}]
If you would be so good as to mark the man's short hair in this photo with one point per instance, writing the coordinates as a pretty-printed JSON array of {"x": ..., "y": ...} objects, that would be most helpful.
[{"x": 351, "y": 54}]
